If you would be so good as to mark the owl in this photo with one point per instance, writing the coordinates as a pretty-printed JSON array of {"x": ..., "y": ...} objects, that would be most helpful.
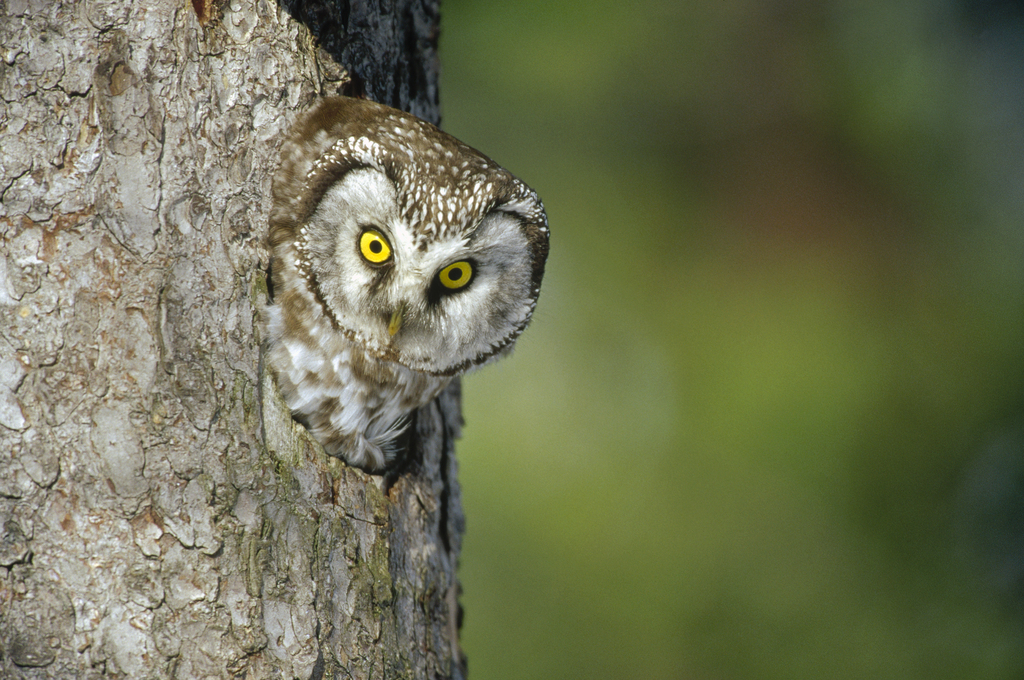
[{"x": 400, "y": 258}]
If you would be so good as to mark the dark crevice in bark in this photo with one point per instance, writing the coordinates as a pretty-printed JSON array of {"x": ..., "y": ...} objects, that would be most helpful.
[
  {"x": 447, "y": 450},
  {"x": 389, "y": 48}
]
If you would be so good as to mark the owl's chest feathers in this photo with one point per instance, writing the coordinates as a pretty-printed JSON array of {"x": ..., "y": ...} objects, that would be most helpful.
[{"x": 332, "y": 383}]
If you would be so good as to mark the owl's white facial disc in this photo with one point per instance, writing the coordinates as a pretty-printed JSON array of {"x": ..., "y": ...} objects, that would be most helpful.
[{"x": 440, "y": 328}]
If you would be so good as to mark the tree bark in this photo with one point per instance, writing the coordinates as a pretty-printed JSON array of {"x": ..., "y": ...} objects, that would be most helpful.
[{"x": 162, "y": 515}]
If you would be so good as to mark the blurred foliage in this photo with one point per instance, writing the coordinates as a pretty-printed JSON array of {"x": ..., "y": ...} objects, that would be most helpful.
[{"x": 769, "y": 419}]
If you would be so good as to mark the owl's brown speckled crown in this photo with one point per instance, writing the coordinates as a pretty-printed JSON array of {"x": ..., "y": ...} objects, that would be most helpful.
[{"x": 344, "y": 133}]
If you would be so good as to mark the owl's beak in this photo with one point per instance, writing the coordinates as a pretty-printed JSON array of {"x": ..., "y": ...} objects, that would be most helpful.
[{"x": 395, "y": 324}]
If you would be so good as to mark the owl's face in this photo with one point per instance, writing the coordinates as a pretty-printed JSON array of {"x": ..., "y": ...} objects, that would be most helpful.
[{"x": 412, "y": 244}]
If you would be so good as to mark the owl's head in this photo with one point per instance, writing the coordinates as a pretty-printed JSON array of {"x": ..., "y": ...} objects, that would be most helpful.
[{"x": 414, "y": 245}]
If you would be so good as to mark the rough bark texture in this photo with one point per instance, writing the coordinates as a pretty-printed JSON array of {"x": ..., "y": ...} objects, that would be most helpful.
[{"x": 162, "y": 515}]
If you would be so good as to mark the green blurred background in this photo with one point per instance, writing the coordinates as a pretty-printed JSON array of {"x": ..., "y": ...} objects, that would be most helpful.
[{"x": 767, "y": 422}]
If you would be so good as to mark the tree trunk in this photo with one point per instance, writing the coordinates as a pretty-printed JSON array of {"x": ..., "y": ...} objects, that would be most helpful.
[{"x": 162, "y": 515}]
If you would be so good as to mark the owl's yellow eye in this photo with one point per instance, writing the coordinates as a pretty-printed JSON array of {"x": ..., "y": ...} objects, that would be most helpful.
[
  {"x": 374, "y": 247},
  {"x": 456, "y": 275}
]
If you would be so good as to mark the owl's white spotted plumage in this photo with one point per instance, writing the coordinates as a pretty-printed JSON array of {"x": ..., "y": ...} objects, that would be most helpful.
[{"x": 401, "y": 258}]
